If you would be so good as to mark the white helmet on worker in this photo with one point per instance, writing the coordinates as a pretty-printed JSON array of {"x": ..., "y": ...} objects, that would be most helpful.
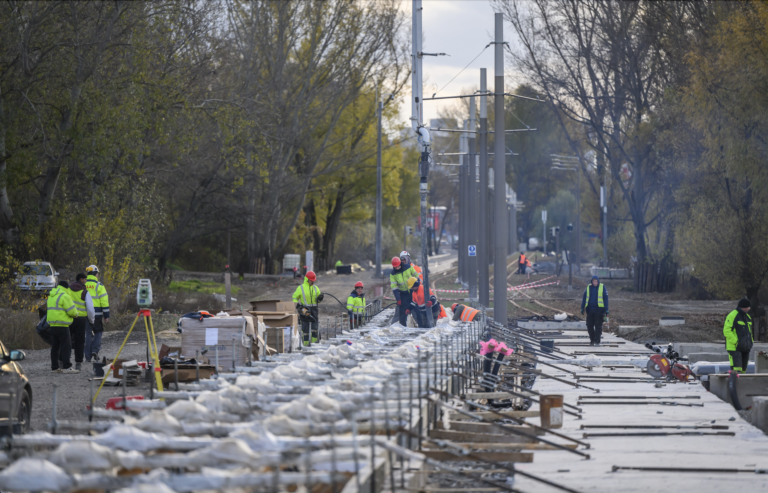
[
  {"x": 92, "y": 269},
  {"x": 404, "y": 254}
]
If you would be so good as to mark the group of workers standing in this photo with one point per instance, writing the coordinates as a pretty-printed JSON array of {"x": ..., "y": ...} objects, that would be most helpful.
[{"x": 76, "y": 313}]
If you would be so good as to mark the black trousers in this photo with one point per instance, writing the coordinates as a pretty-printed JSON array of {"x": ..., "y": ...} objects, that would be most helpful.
[
  {"x": 739, "y": 360},
  {"x": 405, "y": 304},
  {"x": 77, "y": 337},
  {"x": 520, "y": 268},
  {"x": 309, "y": 327},
  {"x": 61, "y": 347},
  {"x": 595, "y": 326}
]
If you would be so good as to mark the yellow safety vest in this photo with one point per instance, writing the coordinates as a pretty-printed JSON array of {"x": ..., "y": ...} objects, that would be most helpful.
[
  {"x": 356, "y": 304},
  {"x": 79, "y": 303},
  {"x": 599, "y": 297},
  {"x": 61, "y": 309},
  {"x": 306, "y": 294},
  {"x": 98, "y": 295}
]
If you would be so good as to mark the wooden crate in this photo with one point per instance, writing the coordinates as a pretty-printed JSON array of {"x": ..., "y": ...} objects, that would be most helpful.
[{"x": 279, "y": 338}]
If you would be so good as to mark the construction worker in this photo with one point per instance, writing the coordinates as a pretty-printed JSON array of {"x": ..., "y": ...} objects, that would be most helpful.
[
  {"x": 521, "y": 263},
  {"x": 398, "y": 278},
  {"x": 406, "y": 257},
  {"x": 738, "y": 336},
  {"x": 61, "y": 311},
  {"x": 595, "y": 302},
  {"x": 463, "y": 313},
  {"x": 101, "y": 306},
  {"x": 306, "y": 297},
  {"x": 85, "y": 314},
  {"x": 420, "y": 305},
  {"x": 339, "y": 263},
  {"x": 356, "y": 305}
]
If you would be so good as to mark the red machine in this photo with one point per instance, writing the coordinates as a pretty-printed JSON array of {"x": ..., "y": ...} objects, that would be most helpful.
[{"x": 666, "y": 365}]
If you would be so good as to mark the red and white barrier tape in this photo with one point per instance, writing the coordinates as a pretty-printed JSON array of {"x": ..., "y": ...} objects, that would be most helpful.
[{"x": 533, "y": 284}]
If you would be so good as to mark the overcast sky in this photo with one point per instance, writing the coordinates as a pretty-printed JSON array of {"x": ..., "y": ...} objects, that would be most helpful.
[{"x": 460, "y": 28}]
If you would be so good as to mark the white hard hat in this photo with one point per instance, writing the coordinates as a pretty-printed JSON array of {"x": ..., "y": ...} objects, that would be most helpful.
[
  {"x": 92, "y": 269},
  {"x": 405, "y": 254}
]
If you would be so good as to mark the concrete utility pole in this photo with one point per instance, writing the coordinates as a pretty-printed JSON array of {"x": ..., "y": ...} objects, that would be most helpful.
[
  {"x": 472, "y": 203},
  {"x": 512, "y": 199},
  {"x": 604, "y": 207},
  {"x": 482, "y": 244},
  {"x": 462, "y": 208},
  {"x": 379, "y": 110},
  {"x": 424, "y": 140},
  {"x": 499, "y": 181}
]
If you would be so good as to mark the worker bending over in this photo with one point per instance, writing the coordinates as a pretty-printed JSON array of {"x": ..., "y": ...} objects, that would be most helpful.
[
  {"x": 595, "y": 303},
  {"x": 356, "y": 306},
  {"x": 398, "y": 277},
  {"x": 420, "y": 305},
  {"x": 306, "y": 297},
  {"x": 463, "y": 313},
  {"x": 738, "y": 336}
]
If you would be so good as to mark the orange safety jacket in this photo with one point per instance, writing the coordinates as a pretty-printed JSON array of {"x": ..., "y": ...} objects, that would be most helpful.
[
  {"x": 418, "y": 271},
  {"x": 522, "y": 259},
  {"x": 465, "y": 313},
  {"x": 417, "y": 298}
]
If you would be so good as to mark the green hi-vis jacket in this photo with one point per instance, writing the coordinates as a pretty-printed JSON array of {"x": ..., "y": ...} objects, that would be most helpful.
[
  {"x": 61, "y": 308},
  {"x": 738, "y": 331},
  {"x": 306, "y": 294},
  {"x": 398, "y": 278},
  {"x": 355, "y": 304}
]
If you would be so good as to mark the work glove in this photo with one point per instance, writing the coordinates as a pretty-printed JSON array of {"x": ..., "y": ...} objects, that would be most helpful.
[
  {"x": 582, "y": 311},
  {"x": 398, "y": 302},
  {"x": 429, "y": 304},
  {"x": 407, "y": 312},
  {"x": 320, "y": 297}
]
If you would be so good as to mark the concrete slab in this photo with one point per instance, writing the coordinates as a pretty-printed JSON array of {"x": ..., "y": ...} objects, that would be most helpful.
[
  {"x": 553, "y": 325},
  {"x": 747, "y": 449},
  {"x": 671, "y": 321},
  {"x": 686, "y": 348},
  {"x": 748, "y": 387},
  {"x": 760, "y": 413},
  {"x": 696, "y": 357}
]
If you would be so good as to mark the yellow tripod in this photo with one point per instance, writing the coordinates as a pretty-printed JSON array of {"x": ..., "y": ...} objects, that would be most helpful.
[{"x": 151, "y": 342}]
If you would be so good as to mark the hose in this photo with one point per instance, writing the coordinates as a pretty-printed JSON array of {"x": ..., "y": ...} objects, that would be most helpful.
[{"x": 343, "y": 306}]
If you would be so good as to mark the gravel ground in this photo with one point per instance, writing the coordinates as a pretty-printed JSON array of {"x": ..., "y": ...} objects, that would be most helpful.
[{"x": 74, "y": 390}]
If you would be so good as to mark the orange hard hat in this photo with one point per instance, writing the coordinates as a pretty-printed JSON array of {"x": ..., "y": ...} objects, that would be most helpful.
[
  {"x": 453, "y": 307},
  {"x": 359, "y": 284},
  {"x": 396, "y": 262},
  {"x": 311, "y": 276}
]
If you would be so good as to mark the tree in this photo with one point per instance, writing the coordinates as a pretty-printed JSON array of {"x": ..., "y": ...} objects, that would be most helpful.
[{"x": 595, "y": 62}]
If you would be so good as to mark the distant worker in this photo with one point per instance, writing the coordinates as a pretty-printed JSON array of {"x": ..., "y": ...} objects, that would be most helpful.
[
  {"x": 463, "y": 313},
  {"x": 61, "y": 312},
  {"x": 398, "y": 278},
  {"x": 85, "y": 314},
  {"x": 595, "y": 303},
  {"x": 420, "y": 304},
  {"x": 406, "y": 257},
  {"x": 521, "y": 263},
  {"x": 339, "y": 263},
  {"x": 738, "y": 336},
  {"x": 529, "y": 268},
  {"x": 356, "y": 305},
  {"x": 100, "y": 299},
  {"x": 306, "y": 297}
]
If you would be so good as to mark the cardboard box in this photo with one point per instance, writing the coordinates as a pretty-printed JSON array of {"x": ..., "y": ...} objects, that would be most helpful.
[
  {"x": 173, "y": 352},
  {"x": 217, "y": 332},
  {"x": 187, "y": 373},
  {"x": 273, "y": 320},
  {"x": 279, "y": 338},
  {"x": 271, "y": 305}
]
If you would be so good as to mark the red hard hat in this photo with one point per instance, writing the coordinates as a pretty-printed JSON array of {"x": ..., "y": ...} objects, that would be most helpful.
[
  {"x": 396, "y": 262},
  {"x": 453, "y": 307},
  {"x": 311, "y": 276},
  {"x": 359, "y": 284}
]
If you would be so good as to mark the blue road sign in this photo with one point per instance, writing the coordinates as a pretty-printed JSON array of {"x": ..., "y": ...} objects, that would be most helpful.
[{"x": 472, "y": 250}]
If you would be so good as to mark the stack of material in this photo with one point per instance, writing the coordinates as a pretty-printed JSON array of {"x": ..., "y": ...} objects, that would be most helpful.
[{"x": 226, "y": 336}]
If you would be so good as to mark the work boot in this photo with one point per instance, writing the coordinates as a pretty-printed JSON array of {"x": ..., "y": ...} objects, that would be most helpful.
[
  {"x": 57, "y": 370},
  {"x": 95, "y": 357},
  {"x": 78, "y": 366},
  {"x": 69, "y": 371}
]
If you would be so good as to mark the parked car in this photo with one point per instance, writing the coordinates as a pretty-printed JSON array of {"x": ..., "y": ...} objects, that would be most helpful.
[
  {"x": 15, "y": 393},
  {"x": 37, "y": 276}
]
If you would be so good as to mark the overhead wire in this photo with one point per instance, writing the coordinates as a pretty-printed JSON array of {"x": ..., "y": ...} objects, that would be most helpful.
[{"x": 462, "y": 70}]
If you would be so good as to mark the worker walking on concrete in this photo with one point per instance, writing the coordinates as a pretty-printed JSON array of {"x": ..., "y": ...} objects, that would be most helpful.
[
  {"x": 464, "y": 313},
  {"x": 100, "y": 299},
  {"x": 398, "y": 278},
  {"x": 420, "y": 305},
  {"x": 595, "y": 303},
  {"x": 306, "y": 297},
  {"x": 86, "y": 314},
  {"x": 521, "y": 263},
  {"x": 61, "y": 312},
  {"x": 356, "y": 305},
  {"x": 738, "y": 336}
]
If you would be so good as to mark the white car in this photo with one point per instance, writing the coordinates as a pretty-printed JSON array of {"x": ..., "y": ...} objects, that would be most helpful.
[{"x": 37, "y": 276}]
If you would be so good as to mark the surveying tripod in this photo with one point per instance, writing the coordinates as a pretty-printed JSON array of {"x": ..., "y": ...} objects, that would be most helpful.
[{"x": 151, "y": 344}]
